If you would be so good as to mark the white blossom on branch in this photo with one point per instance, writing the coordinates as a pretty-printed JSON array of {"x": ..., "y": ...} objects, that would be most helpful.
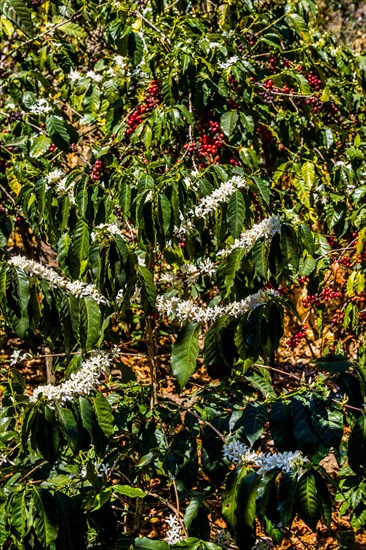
[
  {"x": 210, "y": 203},
  {"x": 79, "y": 289},
  {"x": 266, "y": 229},
  {"x": 288, "y": 461},
  {"x": 81, "y": 382},
  {"x": 189, "y": 311},
  {"x": 175, "y": 533}
]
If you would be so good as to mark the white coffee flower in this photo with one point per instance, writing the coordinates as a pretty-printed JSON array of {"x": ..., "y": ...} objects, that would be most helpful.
[
  {"x": 55, "y": 176},
  {"x": 40, "y": 107},
  {"x": 17, "y": 356},
  {"x": 238, "y": 453},
  {"x": 106, "y": 228},
  {"x": 189, "y": 311},
  {"x": 210, "y": 203},
  {"x": 94, "y": 76},
  {"x": 231, "y": 61},
  {"x": 175, "y": 533},
  {"x": 286, "y": 462},
  {"x": 78, "y": 288},
  {"x": 74, "y": 76},
  {"x": 266, "y": 229},
  {"x": 81, "y": 382}
]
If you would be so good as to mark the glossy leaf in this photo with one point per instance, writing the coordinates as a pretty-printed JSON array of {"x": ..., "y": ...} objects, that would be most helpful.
[{"x": 184, "y": 353}]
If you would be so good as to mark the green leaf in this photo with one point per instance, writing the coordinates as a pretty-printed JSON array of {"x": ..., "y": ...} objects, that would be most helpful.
[
  {"x": 80, "y": 248},
  {"x": 91, "y": 322},
  {"x": 88, "y": 416},
  {"x": 48, "y": 434},
  {"x": 59, "y": 132},
  {"x": 333, "y": 363},
  {"x": 357, "y": 447},
  {"x": 184, "y": 353},
  {"x": 45, "y": 518},
  {"x": 227, "y": 271},
  {"x": 71, "y": 523},
  {"x": 254, "y": 419},
  {"x": 68, "y": 426},
  {"x": 148, "y": 290},
  {"x": 192, "y": 510},
  {"x": 307, "y": 503},
  {"x": 260, "y": 257},
  {"x": 261, "y": 384},
  {"x": 239, "y": 505},
  {"x": 22, "y": 285},
  {"x": 40, "y": 145},
  {"x": 18, "y": 12},
  {"x": 228, "y": 122},
  {"x": 104, "y": 414},
  {"x": 150, "y": 544},
  {"x": 18, "y": 513},
  {"x": 126, "y": 490},
  {"x": 304, "y": 431},
  {"x": 235, "y": 214}
]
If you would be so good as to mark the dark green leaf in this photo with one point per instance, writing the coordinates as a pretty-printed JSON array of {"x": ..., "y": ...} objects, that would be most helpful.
[
  {"x": 18, "y": 12},
  {"x": 104, "y": 414},
  {"x": 236, "y": 214},
  {"x": 184, "y": 353}
]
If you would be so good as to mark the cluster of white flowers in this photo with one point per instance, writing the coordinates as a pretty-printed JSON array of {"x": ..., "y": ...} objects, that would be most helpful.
[
  {"x": 189, "y": 273},
  {"x": 188, "y": 310},
  {"x": 111, "y": 228},
  {"x": 229, "y": 63},
  {"x": 238, "y": 453},
  {"x": 94, "y": 76},
  {"x": 82, "y": 382},
  {"x": 78, "y": 288},
  {"x": 55, "y": 175},
  {"x": 266, "y": 229},
  {"x": 288, "y": 461},
  {"x": 41, "y": 106},
  {"x": 74, "y": 76},
  {"x": 121, "y": 61},
  {"x": 17, "y": 356},
  {"x": 222, "y": 539},
  {"x": 211, "y": 202},
  {"x": 175, "y": 533},
  {"x": 63, "y": 188}
]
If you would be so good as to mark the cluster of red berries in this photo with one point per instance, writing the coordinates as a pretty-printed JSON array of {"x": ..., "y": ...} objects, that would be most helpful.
[
  {"x": 233, "y": 104},
  {"x": 324, "y": 296},
  {"x": 361, "y": 258},
  {"x": 153, "y": 98},
  {"x": 314, "y": 81},
  {"x": 234, "y": 83},
  {"x": 345, "y": 261},
  {"x": 332, "y": 242},
  {"x": 359, "y": 298},
  {"x": 52, "y": 147},
  {"x": 265, "y": 133},
  {"x": 338, "y": 317},
  {"x": 96, "y": 170},
  {"x": 296, "y": 338},
  {"x": 211, "y": 139},
  {"x": 209, "y": 142}
]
